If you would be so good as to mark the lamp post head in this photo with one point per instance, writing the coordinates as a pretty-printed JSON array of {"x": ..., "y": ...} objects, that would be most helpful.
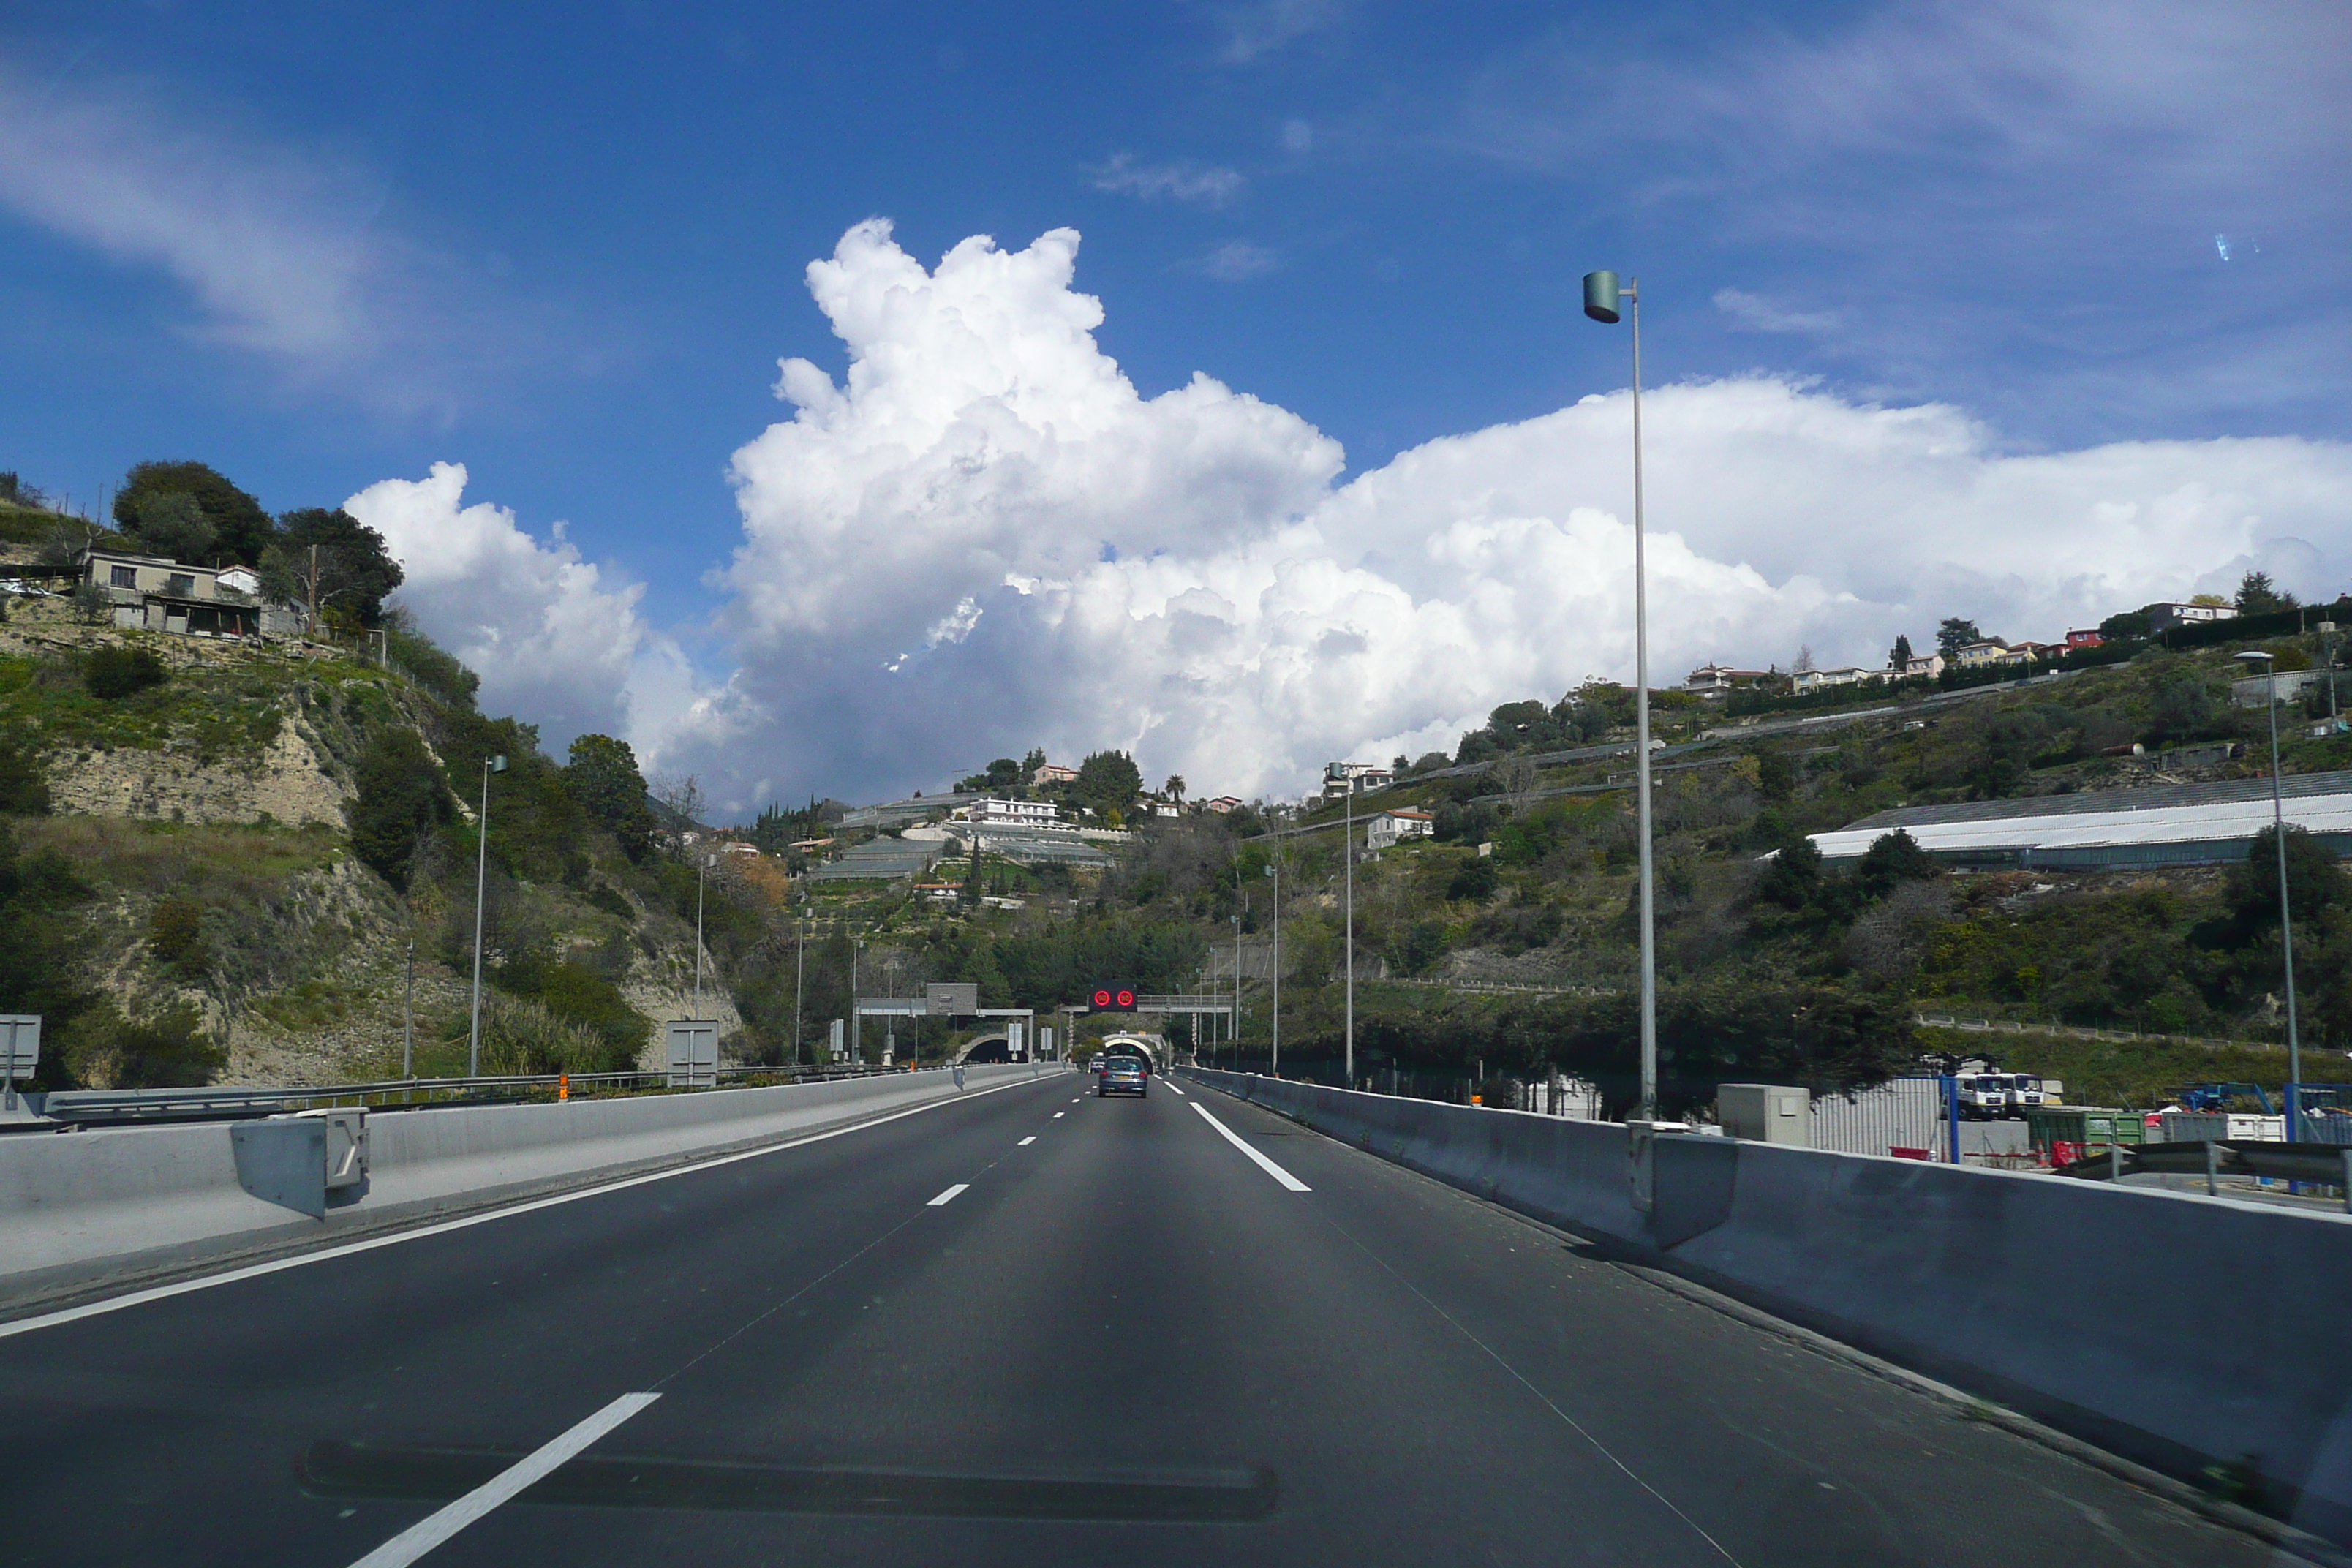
[
  {"x": 2254, "y": 656},
  {"x": 496, "y": 764},
  {"x": 1601, "y": 298}
]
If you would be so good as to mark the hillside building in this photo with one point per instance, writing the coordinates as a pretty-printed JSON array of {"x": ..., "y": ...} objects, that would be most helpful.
[
  {"x": 1392, "y": 827},
  {"x": 2172, "y": 616}
]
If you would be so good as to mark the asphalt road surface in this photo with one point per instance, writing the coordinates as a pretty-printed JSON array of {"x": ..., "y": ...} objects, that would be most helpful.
[{"x": 1026, "y": 1327}]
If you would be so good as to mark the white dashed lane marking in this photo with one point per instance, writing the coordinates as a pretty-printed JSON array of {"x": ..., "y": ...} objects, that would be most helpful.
[
  {"x": 950, "y": 1195},
  {"x": 1027, "y": 1141},
  {"x": 1268, "y": 1166}
]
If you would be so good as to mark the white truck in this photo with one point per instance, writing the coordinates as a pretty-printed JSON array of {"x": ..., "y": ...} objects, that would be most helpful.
[{"x": 1988, "y": 1096}]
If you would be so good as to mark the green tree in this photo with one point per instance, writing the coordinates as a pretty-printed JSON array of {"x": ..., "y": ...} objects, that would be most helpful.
[
  {"x": 2184, "y": 709},
  {"x": 1001, "y": 776},
  {"x": 170, "y": 524},
  {"x": 2314, "y": 882},
  {"x": 1900, "y": 654},
  {"x": 401, "y": 797},
  {"x": 1793, "y": 876},
  {"x": 2127, "y": 624},
  {"x": 1108, "y": 781},
  {"x": 2257, "y": 596},
  {"x": 1891, "y": 860},
  {"x": 241, "y": 528},
  {"x": 602, "y": 774},
  {"x": 333, "y": 553},
  {"x": 1956, "y": 632}
]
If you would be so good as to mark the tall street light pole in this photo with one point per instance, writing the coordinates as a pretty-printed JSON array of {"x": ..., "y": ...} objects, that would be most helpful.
[
  {"x": 1350, "y": 902},
  {"x": 481, "y": 874},
  {"x": 1234, "y": 1023},
  {"x": 1601, "y": 296},
  {"x": 1274, "y": 869},
  {"x": 700, "y": 871},
  {"x": 2257, "y": 658}
]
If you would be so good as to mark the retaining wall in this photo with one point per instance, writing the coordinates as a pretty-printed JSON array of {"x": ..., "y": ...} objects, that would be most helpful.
[
  {"x": 2183, "y": 1331},
  {"x": 77, "y": 1208}
]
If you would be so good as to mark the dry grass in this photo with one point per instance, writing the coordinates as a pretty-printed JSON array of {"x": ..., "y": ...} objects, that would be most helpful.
[{"x": 226, "y": 861}]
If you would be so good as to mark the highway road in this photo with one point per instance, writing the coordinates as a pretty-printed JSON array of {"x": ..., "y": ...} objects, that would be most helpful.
[{"x": 1026, "y": 1327}]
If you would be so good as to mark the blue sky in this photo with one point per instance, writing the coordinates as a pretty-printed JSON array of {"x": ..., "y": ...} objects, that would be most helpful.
[{"x": 325, "y": 246}]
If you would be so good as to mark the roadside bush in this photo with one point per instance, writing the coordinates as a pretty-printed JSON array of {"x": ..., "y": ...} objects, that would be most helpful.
[
  {"x": 1474, "y": 880},
  {"x": 401, "y": 797},
  {"x": 176, "y": 934},
  {"x": 521, "y": 1035},
  {"x": 433, "y": 668},
  {"x": 116, "y": 672},
  {"x": 23, "y": 791},
  {"x": 104, "y": 1049},
  {"x": 577, "y": 995}
]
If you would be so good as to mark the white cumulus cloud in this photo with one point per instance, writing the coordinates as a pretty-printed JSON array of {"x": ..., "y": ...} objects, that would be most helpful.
[
  {"x": 985, "y": 538},
  {"x": 554, "y": 640},
  {"x": 1079, "y": 567}
]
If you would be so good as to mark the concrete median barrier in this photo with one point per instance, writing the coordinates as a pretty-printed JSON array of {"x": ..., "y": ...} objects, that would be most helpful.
[
  {"x": 2201, "y": 1337},
  {"x": 84, "y": 1210}
]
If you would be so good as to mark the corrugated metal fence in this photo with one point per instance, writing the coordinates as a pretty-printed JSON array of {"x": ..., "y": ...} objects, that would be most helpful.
[{"x": 1905, "y": 1118}]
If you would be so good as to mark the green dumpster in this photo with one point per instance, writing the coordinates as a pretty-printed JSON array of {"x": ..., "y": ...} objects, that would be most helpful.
[{"x": 2064, "y": 1133}]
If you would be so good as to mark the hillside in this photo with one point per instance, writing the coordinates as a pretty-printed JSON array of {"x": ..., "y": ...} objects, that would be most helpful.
[
  {"x": 218, "y": 855},
  {"x": 1522, "y": 958}
]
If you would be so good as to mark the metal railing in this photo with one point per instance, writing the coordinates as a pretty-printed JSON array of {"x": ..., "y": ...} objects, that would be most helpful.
[
  {"x": 2081, "y": 1032},
  {"x": 110, "y": 1107}
]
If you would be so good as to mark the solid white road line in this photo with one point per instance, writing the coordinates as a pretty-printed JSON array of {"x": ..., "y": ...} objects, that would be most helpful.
[
  {"x": 950, "y": 1195},
  {"x": 183, "y": 1287},
  {"x": 434, "y": 1528},
  {"x": 1268, "y": 1166},
  {"x": 1027, "y": 1141}
]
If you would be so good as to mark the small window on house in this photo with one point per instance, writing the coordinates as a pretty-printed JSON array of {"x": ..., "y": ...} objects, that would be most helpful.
[
  {"x": 180, "y": 584},
  {"x": 123, "y": 576}
]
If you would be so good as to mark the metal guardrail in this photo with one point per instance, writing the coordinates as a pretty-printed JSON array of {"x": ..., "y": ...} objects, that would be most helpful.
[
  {"x": 2077, "y": 1032},
  {"x": 2328, "y": 1165},
  {"x": 117, "y": 1106}
]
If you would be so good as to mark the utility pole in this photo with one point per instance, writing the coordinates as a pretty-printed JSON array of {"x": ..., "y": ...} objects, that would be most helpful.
[
  {"x": 481, "y": 877},
  {"x": 1350, "y": 831},
  {"x": 856, "y": 1013},
  {"x": 408, "y": 1018}
]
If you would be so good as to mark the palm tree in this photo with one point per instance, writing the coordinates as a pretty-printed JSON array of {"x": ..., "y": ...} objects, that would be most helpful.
[{"x": 1174, "y": 788}]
